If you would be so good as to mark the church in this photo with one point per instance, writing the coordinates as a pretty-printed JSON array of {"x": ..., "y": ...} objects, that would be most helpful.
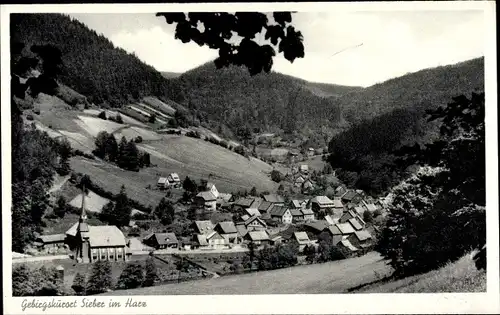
[{"x": 94, "y": 243}]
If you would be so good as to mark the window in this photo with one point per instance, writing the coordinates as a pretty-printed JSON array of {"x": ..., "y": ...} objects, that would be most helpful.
[
  {"x": 103, "y": 254},
  {"x": 94, "y": 254},
  {"x": 111, "y": 255}
]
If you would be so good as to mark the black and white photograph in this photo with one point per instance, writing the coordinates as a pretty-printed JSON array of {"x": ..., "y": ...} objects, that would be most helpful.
[{"x": 182, "y": 151}]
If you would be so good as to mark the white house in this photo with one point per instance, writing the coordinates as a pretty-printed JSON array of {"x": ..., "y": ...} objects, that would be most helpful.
[
  {"x": 211, "y": 188},
  {"x": 163, "y": 183}
]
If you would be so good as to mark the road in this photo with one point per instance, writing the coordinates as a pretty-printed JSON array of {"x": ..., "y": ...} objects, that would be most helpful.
[
  {"x": 326, "y": 278},
  {"x": 201, "y": 251}
]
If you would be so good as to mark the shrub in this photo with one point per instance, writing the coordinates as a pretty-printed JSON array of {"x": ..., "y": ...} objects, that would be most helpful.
[
  {"x": 368, "y": 216},
  {"x": 138, "y": 139},
  {"x": 29, "y": 117},
  {"x": 102, "y": 115},
  {"x": 131, "y": 277},
  {"x": 276, "y": 176}
]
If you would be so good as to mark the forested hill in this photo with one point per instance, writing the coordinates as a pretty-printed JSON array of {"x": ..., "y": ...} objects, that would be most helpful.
[
  {"x": 267, "y": 101},
  {"x": 421, "y": 90},
  {"x": 92, "y": 65},
  {"x": 386, "y": 116}
]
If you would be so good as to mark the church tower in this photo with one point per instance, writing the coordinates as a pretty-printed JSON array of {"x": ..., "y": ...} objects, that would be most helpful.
[{"x": 82, "y": 235}]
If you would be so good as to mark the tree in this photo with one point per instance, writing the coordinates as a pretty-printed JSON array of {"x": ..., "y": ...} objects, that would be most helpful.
[
  {"x": 145, "y": 159},
  {"x": 151, "y": 273},
  {"x": 253, "y": 192},
  {"x": 40, "y": 281},
  {"x": 129, "y": 157},
  {"x": 165, "y": 212},
  {"x": 119, "y": 118},
  {"x": 111, "y": 148},
  {"x": 118, "y": 213},
  {"x": 445, "y": 198},
  {"x": 218, "y": 28},
  {"x": 310, "y": 252},
  {"x": 61, "y": 207},
  {"x": 131, "y": 277},
  {"x": 79, "y": 284},
  {"x": 152, "y": 118},
  {"x": 100, "y": 279},
  {"x": 276, "y": 176},
  {"x": 100, "y": 144},
  {"x": 368, "y": 216},
  {"x": 102, "y": 115},
  {"x": 189, "y": 185},
  {"x": 328, "y": 252}
]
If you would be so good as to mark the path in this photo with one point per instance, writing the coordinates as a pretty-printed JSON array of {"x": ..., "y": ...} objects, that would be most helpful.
[
  {"x": 39, "y": 258},
  {"x": 58, "y": 185}
]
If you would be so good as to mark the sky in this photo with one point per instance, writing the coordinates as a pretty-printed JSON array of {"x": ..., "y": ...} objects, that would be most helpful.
[{"x": 347, "y": 48}]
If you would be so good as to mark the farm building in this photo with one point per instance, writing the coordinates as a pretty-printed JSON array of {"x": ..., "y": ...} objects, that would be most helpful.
[
  {"x": 247, "y": 202},
  {"x": 207, "y": 200},
  {"x": 359, "y": 210},
  {"x": 254, "y": 223},
  {"x": 275, "y": 199},
  {"x": 369, "y": 206},
  {"x": 203, "y": 227},
  {"x": 161, "y": 240},
  {"x": 212, "y": 240},
  {"x": 298, "y": 181},
  {"x": 281, "y": 214},
  {"x": 211, "y": 188},
  {"x": 163, "y": 183},
  {"x": 330, "y": 220},
  {"x": 340, "y": 191},
  {"x": 252, "y": 212},
  {"x": 301, "y": 239},
  {"x": 350, "y": 214},
  {"x": 52, "y": 240},
  {"x": 315, "y": 228},
  {"x": 360, "y": 238},
  {"x": 174, "y": 179},
  {"x": 307, "y": 187},
  {"x": 355, "y": 224},
  {"x": 345, "y": 228},
  {"x": 308, "y": 214},
  {"x": 298, "y": 204},
  {"x": 297, "y": 215},
  {"x": 322, "y": 204},
  {"x": 265, "y": 207},
  {"x": 257, "y": 238},
  {"x": 227, "y": 230},
  {"x": 347, "y": 245},
  {"x": 304, "y": 168},
  {"x": 351, "y": 196},
  {"x": 93, "y": 243}
]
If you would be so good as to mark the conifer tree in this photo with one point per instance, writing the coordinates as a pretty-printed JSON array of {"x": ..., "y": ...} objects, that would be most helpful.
[
  {"x": 100, "y": 279},
  {"x": 151, "y": 273}
]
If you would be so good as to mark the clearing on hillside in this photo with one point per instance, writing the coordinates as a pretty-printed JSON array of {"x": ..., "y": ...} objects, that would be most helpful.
[
  {"x": 133, "y": 132},
  {"x": 159, "y": 105},
  {"x": 79, "y": 141},
  {"x": 109, "y": 113},
  {"x": 94, "y": 125},
  {"x": 93, "y": 202}
]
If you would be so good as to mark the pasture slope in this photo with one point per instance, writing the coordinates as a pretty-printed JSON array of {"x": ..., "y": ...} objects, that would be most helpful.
[{"x": 331, "y": 277}]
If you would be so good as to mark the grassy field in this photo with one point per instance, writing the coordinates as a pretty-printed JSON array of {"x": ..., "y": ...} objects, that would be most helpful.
[
  {"x": 332, "y": 277},
  {"x": 460, "y": 276}
]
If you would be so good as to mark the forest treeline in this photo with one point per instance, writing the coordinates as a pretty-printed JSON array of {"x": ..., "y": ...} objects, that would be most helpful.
[{"x": 92, "y": 65}]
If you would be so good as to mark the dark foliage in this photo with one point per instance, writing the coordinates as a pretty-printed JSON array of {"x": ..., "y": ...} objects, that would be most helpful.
[
  {"x": 165, "y": 212},
  {"x": 100, "y": 279},
  {"x": 35, "y": 281},
  {"x": 280, "y": 256},
  {"x": 131, "y": 277},
  {"x": 440, "y": 215},
  {"x": 151, "y": 276},
  {"x": 79, "y": 284},
  {"x": 276, "y": 176},
  {"x": 93, "y": 66},
  {"x": 220, "y": 28},
  {"x": 117, "y": 212}
]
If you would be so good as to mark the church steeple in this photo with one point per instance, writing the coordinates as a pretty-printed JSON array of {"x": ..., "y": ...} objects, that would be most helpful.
[
  {"x": 83, "y": 228},
  {"x": 82, "y": 234}
]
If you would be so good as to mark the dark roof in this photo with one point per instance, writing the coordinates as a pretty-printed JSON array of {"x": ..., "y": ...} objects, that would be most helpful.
[
  {"x": 296, "y": 213},
  {"x": 52, "y": 238},
  {"x": 265, "y": 206},
  {"x": 307, "y": 211},
  {"x": 363, "y": 235},
  {"x": 336, "y": 239},
  {"x": 274, "y": 198},
  {"x": 227, "y": 227},
  {"x": 207, "y": 196},
  {"x": 334, "y": 230},
  {"x": 278, "y": 211},
  {"x": 253, "y": 218},
  {"x": 317, "y": 225},
  {"x": 241, "y": 229},
  {"x": 244, "y": 202},
  {"x": 355, "y": 224},
  {"x": 165, "y": 238},
  {"x": 349, "y": 195},
  {"x": 204, "y": 226},
  {"x": 288, "y": 233}
]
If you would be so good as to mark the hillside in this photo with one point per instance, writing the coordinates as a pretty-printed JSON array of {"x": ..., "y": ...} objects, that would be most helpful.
[
  {"x": 265, "y": 102},
  {"x": 92, "y": 65},
  {"x": 170, "y": 75},
  {"x": 386, "y": 116}
]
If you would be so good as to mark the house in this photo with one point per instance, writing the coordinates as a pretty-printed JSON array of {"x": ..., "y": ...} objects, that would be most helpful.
[
  {"x": 275, "y": 199},
  {"x": 211, "y": 188},
  {"x": 355, "y": 224},
  {"x": 297, "y": 215},
  {"x": 351, "y": 196},
  {"x": 161, "y": 240},
  {"x": 347, "y": 246},
  {"x": 338, "y": 208},
  {"x": 311, "y": 152},
  {"x": 203, "y": 227},
  {"x": 301, "y": 239},
  {"x": 174, "y": 179},
  {"x": 315, "y": 228},
  {"x": 224, "y": 200},
  {"x": 93, "y": 243},
  {"x": 227, "y": 230},
  {"x": 304, "y": 168},
  {"x": 298, "y": 204},
  {"x": 287, "y": 234},
  {"x": 359, "y": 210},
  {"x": 254, "y": 223},
  {"x": 361, "y": 239},
  {"x": 281, "y": 214},
  {"x": 252, "y": 212},
  {"x": 307, "y": 186},
  {"x": 275, "y": 240},
  {"x": 247, "y": 202},
  {"x": 330, "y": 220},
  {"x": 245, "y": 217},
  {"x": 212, "y": 240},
  {"x": 241, "y": 230},
  {"x": 206, "y": 200},
  {"x": 51, "y": 240},
  {"x": 258, "y": 238},
  {"x": 369, "y": 206},
  {"x": 351, "y": 216},
  {"x": 322, "y": 204},
  {"x": 340, "y": 191},
  {"x": 345, "y": 228},
  {"x": 163, "y": 183},
  {"x": 298, "y": 181},
  {"x": 265, "y": 207},
  {"x": 308, "y": 214}
]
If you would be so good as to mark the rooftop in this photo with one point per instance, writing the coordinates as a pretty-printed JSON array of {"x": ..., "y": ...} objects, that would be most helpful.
[{"x": 105, "y": 236}]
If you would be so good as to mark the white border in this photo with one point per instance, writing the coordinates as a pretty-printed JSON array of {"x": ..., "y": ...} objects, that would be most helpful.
[{"x": 279, "y": 304}]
